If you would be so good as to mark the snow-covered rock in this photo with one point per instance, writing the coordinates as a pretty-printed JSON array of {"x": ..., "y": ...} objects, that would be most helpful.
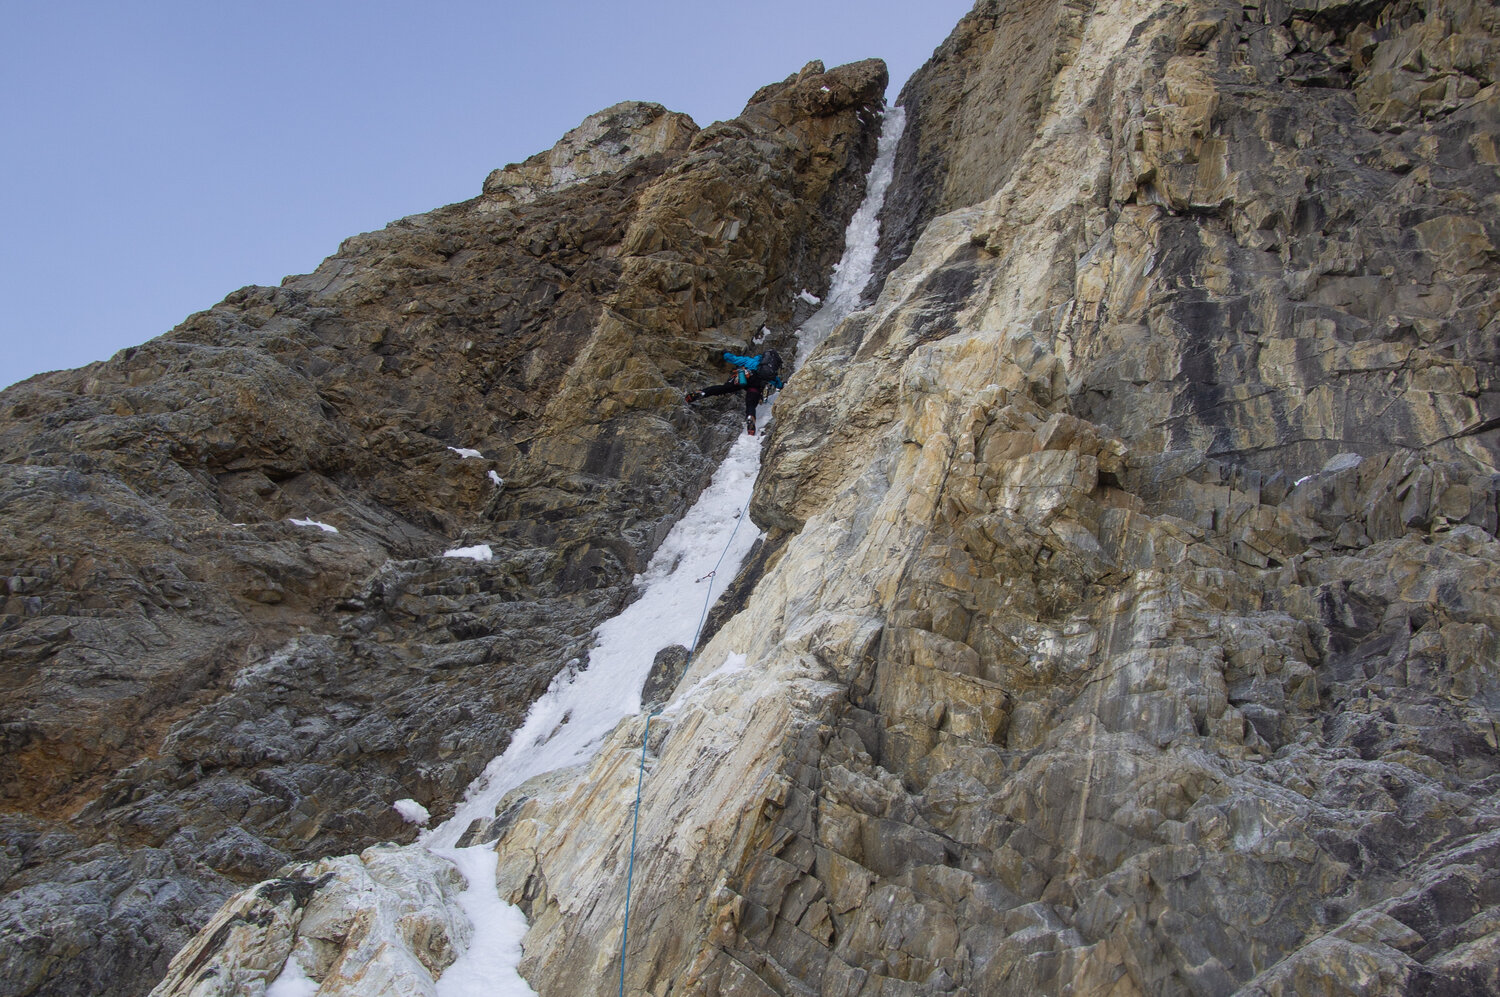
[
  {"x": 313, "y": 522},
  {"x": 478, "y": 552},
  {"x": 384, "y": 922}
]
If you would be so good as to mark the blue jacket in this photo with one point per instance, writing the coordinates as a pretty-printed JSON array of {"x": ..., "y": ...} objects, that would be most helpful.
[{"x": 748, "y": 364}]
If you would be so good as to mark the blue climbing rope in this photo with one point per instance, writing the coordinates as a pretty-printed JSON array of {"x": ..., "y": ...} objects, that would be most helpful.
[{"x": 640, "y": 776}]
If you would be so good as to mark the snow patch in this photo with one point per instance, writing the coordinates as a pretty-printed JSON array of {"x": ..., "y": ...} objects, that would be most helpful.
[
  {"x": 465, "y": 452},
  {"x": 313, "y": 522},
  {"x": 479, "y": 552},
  {"x": 488, "y": 967},
  {"x": 293, "y": 981},
  {"x": 809, "y": 297},
  {"x": 499, "y": 481},
  {"x": 412, "y": 812}
]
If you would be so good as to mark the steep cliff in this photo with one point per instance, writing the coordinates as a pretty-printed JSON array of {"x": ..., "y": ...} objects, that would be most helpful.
[
  {"x": 1126, "y": 617},
  {"x": 230, "y": 637},
  {"x": 1132, "y": 624}
]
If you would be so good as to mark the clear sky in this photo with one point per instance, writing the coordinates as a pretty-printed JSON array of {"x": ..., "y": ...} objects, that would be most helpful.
[{"x": 156, "y": 155}]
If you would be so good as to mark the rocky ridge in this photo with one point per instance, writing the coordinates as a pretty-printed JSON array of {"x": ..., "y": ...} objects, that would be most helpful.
[{"x": 230, "y": 638}]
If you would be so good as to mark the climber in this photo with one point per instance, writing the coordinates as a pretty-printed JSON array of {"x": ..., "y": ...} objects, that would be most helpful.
[{"x": 752, "y": 375}]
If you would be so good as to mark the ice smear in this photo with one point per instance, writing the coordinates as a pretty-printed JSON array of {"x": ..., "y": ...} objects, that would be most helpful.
[
  {"x": 293, "y": 981},
  {"x": 313, "y": 522},
  {"x": 861, "y": 239},
  {"x": 412, "y": 812},
  {"x": 479, "y": 552},
  {"x": 466, "y": 452},
  {"x": 566, "y": 725}
]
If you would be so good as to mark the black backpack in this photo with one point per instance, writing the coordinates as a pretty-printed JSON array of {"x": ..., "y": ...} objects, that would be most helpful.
[{"x": 769, "y": 367}]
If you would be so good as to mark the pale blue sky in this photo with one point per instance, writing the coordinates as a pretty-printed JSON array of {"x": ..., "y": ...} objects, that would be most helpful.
[{"x": 158, "y": 155}]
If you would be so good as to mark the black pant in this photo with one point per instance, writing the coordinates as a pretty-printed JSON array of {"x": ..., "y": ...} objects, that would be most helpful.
[{"x": 752, "y": 393}]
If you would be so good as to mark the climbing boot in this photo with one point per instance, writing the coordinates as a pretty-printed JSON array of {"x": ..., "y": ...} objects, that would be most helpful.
[
  {"x": 749, "y": 425},
  {"x": 692, "y": 396}
]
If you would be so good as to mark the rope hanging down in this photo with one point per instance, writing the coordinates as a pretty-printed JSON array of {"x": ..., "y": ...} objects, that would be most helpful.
[{"x": 640, "y": 775}]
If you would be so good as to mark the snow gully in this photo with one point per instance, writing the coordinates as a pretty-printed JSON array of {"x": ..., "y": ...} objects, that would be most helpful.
[{"x": 569, "y": 723}]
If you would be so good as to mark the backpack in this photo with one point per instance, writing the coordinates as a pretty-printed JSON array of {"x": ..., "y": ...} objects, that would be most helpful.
[{"x": 769, "y": 367}]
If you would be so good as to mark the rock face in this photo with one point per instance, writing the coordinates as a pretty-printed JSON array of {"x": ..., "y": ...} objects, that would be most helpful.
[
  {"x": 1133, "y": 625},
  {"x": 230, "y": 638},
  {"x": 1126, "y": 621}
]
